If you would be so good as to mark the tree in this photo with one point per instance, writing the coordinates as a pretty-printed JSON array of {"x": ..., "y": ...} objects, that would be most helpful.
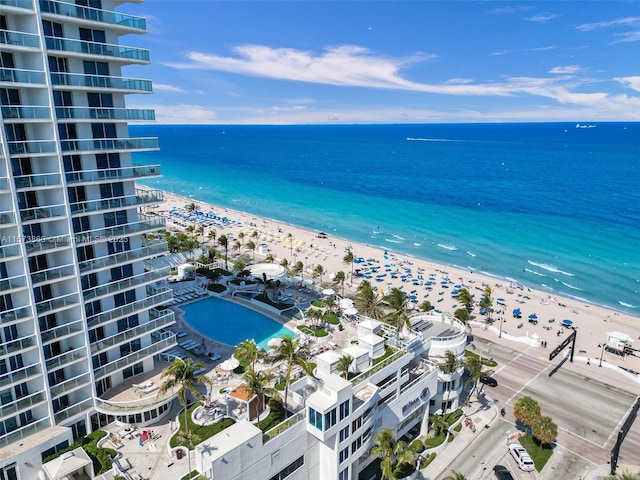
[
  {"x": 464, "y": 298},
  {"x": 318, "y": 272},
  {"x": 314, "y": 315},
  {"x": 292, "y": 352},
  {"x": 425, "y": 306},
  {"x": 486, "y": 302},
  {"x": 396, "y": 301},
  {"x": 384, "y": 449},
  {"x": 237, "y": 245},
  {"x": 339, "y": 280},
  {"x": 349, "y": 259},
  {"x": 439, "y": 424},
  {"x": 241, "y": 236},
  {"x": 344, "y": 364},
  {"x": 192, "y": 207},
  {"x": 455, "y": 475},
  {"x": 252, "y": 246},
  {"x": 270, "y": 258},
  {"x": 462, "y": 314},
  {"x": 290, "y": 238},
  {"x": 298, "y": 268},
  {"x": 544, "y": 430},
  {"x": 526, "y": 410},
  {"x": 257, "y": 384},
  {"x": 285, "y": 263},
  {"x": 367, "y": 302},
  {"x": 450, "y": 363},
  {"x": 248, "y": 351},
  {"x": 473, "y": 363},
  {"x": 223, "y": 241},
  {"x": 211, "y": 236}
]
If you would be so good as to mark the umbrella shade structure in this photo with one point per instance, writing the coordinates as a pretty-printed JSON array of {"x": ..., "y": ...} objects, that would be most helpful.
[
  {"x": 306, "y": 281},
  {"x": 567, "y": 322},
  {"x": 274, "y": 342},
  {"x": 345, "y": 303},
  {"x": 500, "y": 299},
  {"x": 350, "y": 311},
  {"x": 328, "y": 291},
  {"x": 229, "y": 364},
  {"x": 533, "y": 316},
  {"x": 296, "y": 279},
  {"x": 517, "y": 312}
]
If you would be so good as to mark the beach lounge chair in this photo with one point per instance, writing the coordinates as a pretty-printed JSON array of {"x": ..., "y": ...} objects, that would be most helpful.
[
  {"x": 216, "y": 357},
  {"x": 142, "y": 386}
]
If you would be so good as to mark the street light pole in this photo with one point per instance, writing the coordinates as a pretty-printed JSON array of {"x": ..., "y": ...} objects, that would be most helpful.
[
  {"x": 501, "y": 320},
  {"x": 601, "y": 353}
]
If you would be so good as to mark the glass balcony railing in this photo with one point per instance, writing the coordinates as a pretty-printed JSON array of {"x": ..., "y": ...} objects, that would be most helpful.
[
  {"x": 19, "y": 313},
  {"x": 32, "y": 147},
  {"x": 142, "y": 197},
  {"x": 134, "y": 357},
  {"x": 116, "y": 174},
  {"x": 63, "y": 301},
  {"x": 47, "y": 243},
  {"x": 7, "y": 218},
  {"x": 161, "y": 321},
  {"x": 150, "y": 224},
  {"x": 22, "y": 404},
  {"x": 96, "y": 48},
  {"x": 154, "y": 248},
  {"x": 43, "y": 213},
  {"x": 18, "y": 3},
  {"x": 128, "y": 85},
  {"x": 124, "y": 284},
  {"x": 86, "y": 113},
  {"x": 28, "y": 430},
  {"x": 9, "y": 251},
  {"x": 129, "y": 309},
  {"x": 38, "y": 180},
  {"x": 53, "y": 274},
  {"x": 21, "y": 375},
  {"x": 61, "y": 331},
  {"x": 101, "y": 144},
  {"x": 4, "y": 184},
  {"x": 19, "y": 39},
  {"x": 69, "y": 385},
  {"x": 18, "y": 75},
  {"x": 66, "y": 358},
  {"x": 74, "y": 410},
  {"x": 123, "y": 20},
  {"x": 7, "y": 284},
  {"x": 26, "y": 112},
  {"x": 17, "y": 345}
]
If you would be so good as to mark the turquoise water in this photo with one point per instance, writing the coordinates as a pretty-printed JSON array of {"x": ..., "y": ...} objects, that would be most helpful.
[{"x": 230, "y": 323}]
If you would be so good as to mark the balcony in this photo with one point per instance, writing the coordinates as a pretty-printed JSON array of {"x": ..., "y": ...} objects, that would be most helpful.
[
  {"x": 31, "y": 429},
  {"x": 125, "y": 284},
  {"x": 38, "y": 180},
  {"x": 8, "y": 285},
  {"x": 4, "y": 184},
  {"x": 20, "y": 113},
  {"x": 150, "y": 301},
  {"x": 150, "y": 249},
  {"x": 142, "y": 197},
  {"x": 7, "y": 218},
  {"x": 106, "y": 50},
  {"x": 99, "y": 82},
  {"x": 66, "y": 358},
  {"x": 32, "y": 147},
  {"x": 75, "y": 409},
  {"x": 53, "y": 274},
  {"x": 9, "y": 251},
  {"x": 64, "y": 301},
  {"x": 19, "y": 39},
  {"x": 103, "y": 114},
  {"x": 134, "y": 357},
  {"x": 48, "y": 243},
  {"x": 28, "y": 4},
  {"x": 110, "y": 144},
  {"x": 21, "y": 375},
  {"x": 16, "y": 314},
  {"x": 17, "y": 345},
  {"x": 70, "y": 385},
  {"x": 23, "y": 403},
  {"x": 19, "y": 75},
  {"x": 161, "y": 320},
  {"x": 43, "y": 213},
  {"x": 81, "y": 14},
  {"x": 115, "y": 174},
  {"x": 150, "y": 224},
  {"x": 61, "y": 331}
]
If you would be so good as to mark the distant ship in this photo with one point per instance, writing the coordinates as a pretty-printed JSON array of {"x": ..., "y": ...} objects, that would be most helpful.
[{"x": 585, "y": 126}]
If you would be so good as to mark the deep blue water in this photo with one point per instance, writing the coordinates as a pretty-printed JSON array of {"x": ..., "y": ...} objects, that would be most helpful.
[
  {"x": 550, "y": 205},
  {"x": 230, "y": 323}
]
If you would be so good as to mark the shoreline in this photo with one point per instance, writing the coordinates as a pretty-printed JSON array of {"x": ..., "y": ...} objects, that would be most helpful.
[{"x": 596, "y": 320}]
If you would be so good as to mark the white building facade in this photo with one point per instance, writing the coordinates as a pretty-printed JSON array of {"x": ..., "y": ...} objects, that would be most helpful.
[
  {"x": 77, "y": 303},
  {"x": 332, "y": 432}
]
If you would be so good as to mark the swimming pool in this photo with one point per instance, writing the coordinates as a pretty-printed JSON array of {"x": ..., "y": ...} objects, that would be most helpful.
[{"x": 230, "y": 323}]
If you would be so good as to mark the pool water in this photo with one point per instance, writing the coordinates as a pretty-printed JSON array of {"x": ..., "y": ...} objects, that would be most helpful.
[{"x": 230, "y": 323}]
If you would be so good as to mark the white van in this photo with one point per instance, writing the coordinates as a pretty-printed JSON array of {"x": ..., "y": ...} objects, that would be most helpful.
[{"x": 521, "y": 456}]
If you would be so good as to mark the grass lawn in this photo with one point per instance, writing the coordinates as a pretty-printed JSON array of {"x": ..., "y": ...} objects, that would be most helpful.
[
  {"x": 201, "y": 431},
  {"x": 313, "y": 331},
  {"x": 453, "y": 417},
  {"x": 435, "y": 441},
  {"x": 539, "y": 456},
  {"x": 387, "y": 353},
  {"x": 332, "y": 318}
]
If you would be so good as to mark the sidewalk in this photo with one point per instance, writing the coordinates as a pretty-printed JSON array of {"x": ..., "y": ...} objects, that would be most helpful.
[{"x": 601, "y": 471}]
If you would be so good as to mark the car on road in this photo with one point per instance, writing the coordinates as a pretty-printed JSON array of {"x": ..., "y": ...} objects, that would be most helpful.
[
  {"x": 492, "y": 382},
  {"x": 502, "y": 473},
  {"x": 522, "y": 457}
]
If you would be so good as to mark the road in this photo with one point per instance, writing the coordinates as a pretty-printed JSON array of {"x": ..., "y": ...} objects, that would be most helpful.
[{"x": 588, "y": 403}]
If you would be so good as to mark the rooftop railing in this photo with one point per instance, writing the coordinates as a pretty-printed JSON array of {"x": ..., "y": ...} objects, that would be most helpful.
[
  {"x": 282, "y": 426},
  {"x": 101, "y": 144},
  {"x": 377, "y": 367},
  {"x": 116, "y": 174}
]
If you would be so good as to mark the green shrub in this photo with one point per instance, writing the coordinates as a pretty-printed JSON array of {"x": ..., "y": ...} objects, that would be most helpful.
[
  {"x": 417, "y": 446},
  {"x": 424, "y": 463},
  {"x": 453, "y": 417},
  {"x": 202, "y": 432},
  {"x": 332, "y": 319},
  {"x": 216, "y": 288},
  {"x": 404, "y": 470},
  {"x": 457, "y": 428}
]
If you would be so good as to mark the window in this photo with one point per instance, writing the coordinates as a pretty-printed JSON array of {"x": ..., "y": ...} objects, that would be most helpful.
[
  {"x": 315, "y": 418},
  {"x": 100, "y": 100},
  {"x": 96, "y": 334},
  {"x": 89, "y": 281},
  {"x": 58, "y": 65},
  {"x": 111, "y": 190},
  {"x": 84, "y": 253},
  {"x": 124, "y": 298},
  {"x": 344, "y": 454},
  {"x": 93, "y": 308},
  {"x": 356, "y": 424},
  {"x": 105, "y": 161},
  {"x": 289, "y": 469},
  {"x": 37, "y": 263},
  {"x": 62, "y": 98},
  {"x": 275, "y": 457},
  {"x": 344, "y": 410},
  {"x": 99, "y": 360},
  {"x": 104, "y": 130},
  {"x": 56, "y": 376},
  {"x": 81, "y": 224},
  {"x": 88, "y": 35},
  {"x": 133, "y": 370},
  {"x": 330, "y": 418},
  {"x": 6, "y": 60},
  {"x": 127, "y": 323},
  {"x": 9, "y": 96},
  {"x": 344, "y": 433},
  {"x": 118, "y": 247},
  {"x": 21, "y": 166},
  {"x": 123, "y": 271},
  {"x": 52, "y": 29},
  {"x": 67, "y": 131},
  {"x": 47, "y": 322},
  {"x": 96, "y": 68},
  {"x": 344, "y": 474},
  {"x": 355, "y": 445},
  {"x": 9, "y": 472},
  {"x": 111, "y": 219},
  {"x": 72, "y": 163}
]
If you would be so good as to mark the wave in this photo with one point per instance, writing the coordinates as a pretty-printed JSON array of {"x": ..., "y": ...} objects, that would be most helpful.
[
  {"x": 471, "y": 253},
  {"x": 391, "y": 240},
  {"x": 447, "y": 247},
  {"x": 550, "y": 268},
  {"x": 628, "y": 305},
  {"x": 418, "y": 139},
  {"x": 534, "y": 272},
  {"x": 417, "y": 244},
  {"x": 573, "y": 287},
  {"x": 397, "y": 236}
]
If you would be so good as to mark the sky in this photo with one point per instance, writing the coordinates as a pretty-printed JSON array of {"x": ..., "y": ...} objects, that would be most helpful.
[{"x": 344, "y": 62}]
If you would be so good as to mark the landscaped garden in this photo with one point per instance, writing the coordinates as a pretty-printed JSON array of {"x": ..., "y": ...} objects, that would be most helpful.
[{"x": 199, "y": 432}]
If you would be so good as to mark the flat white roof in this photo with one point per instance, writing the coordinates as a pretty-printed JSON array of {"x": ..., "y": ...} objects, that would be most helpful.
[
  {"x": 355, "y": 351},
  {"x": 228, "y": 439},
  {"x": 371, "y": 339}
]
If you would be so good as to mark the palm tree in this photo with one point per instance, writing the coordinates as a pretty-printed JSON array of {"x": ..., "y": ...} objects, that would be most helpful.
[
  {"x": 257, "y": 384},
  {"x": 293, "y": 353},
  {"x": 199, "y": 231},
  {"x": 241, "y": 236},
  {"x": 339, "y": 280},
  {"x": 464, "y": 298},
  {"x": 223, "y": 241},
  {"x": 462, "y": 314},
  {"x": 455, "y": 475},
  {"x": 270, "y": 258},
  {"x": 439, "y": 424},
  {"x": 248, "y": 351},
  {"x": 252, "y": 246},
  {"x": 237, "y": 245},
  {"x": 285, "y": 263},
  {"x": 544, "y": 430},
  {"x": 487, "y": 301},
  {"x": 298, "y": 268},
  {"x": 473, "y": 363},
  {"x": 450, "y": 363},
  {"x": 349, "y": 259},
  {"x": 367, "y": 302},
  {"x": 526, "y": 410},
  {"x": 329, "y": 303},
  {"x": 397, "y": 302},
  {"x": 318, "y": 272},
  {"x": 290, "y": 237},
  {"x": 425, "y": 306},
  {"x": 344, "y": 364},
  {"x": 255, "y": 234},
  {"x": 211, "y": 236},
  {"x": 404, "y": 454},
  {"x": 314, "y": 315},
  {"x": 192, "y": 207},
  {"x": 384, "y": 448}
]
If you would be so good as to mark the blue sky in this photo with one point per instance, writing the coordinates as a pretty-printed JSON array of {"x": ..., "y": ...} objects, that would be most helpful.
[{"x": 298, "y": 62}]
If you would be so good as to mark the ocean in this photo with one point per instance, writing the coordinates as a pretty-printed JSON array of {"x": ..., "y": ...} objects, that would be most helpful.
[{"x": 549, "y": 205}]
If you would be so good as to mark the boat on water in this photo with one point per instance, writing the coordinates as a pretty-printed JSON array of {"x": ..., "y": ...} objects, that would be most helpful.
[{"x": 585, "y": 126}]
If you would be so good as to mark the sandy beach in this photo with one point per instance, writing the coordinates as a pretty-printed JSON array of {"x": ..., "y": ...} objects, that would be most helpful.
[{"x": 414, "y": 275}]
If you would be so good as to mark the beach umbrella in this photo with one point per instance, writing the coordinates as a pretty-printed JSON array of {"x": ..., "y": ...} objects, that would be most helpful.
[
  {"x": 533, "y": 316},
  {"x": 274, "y": 342},
  {"x": 350, "y": 311},
  {"x": 306, "y": 281},
  {"x": 229, "y": 364},
  {"x": 328, "y": 291},
  {"x": 500, "y": 299},
  {"x": 517, "y": 312},
  {"x": 345, "y": 303},
  {"x": 567, "y": 322},
  {"x": 444, "y": 282}
]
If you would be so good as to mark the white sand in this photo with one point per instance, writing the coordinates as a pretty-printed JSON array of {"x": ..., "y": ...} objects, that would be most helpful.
[{"x": 592, "y": 322}]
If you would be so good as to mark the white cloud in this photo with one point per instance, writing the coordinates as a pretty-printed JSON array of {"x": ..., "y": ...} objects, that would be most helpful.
[
  {"x": 566, "y": 70},
  {"x": 523, "y": 50},
  {"x": 183, "y": 113},
  {"x": 163, "y": 87},
  {"x": 627, "y": 37},
  {"x": 627, "y": 21},
  {"x": 631, "y": 82},
  {"x": 459, "y": 80},
  {"x": 540, "y": 18}
]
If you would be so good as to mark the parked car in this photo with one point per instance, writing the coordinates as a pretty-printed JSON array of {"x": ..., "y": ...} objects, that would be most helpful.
[
  {"x": 502, "y": 473},
  {"x": 492, "y": 382},
  {"x": 521, "y": 456}
]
